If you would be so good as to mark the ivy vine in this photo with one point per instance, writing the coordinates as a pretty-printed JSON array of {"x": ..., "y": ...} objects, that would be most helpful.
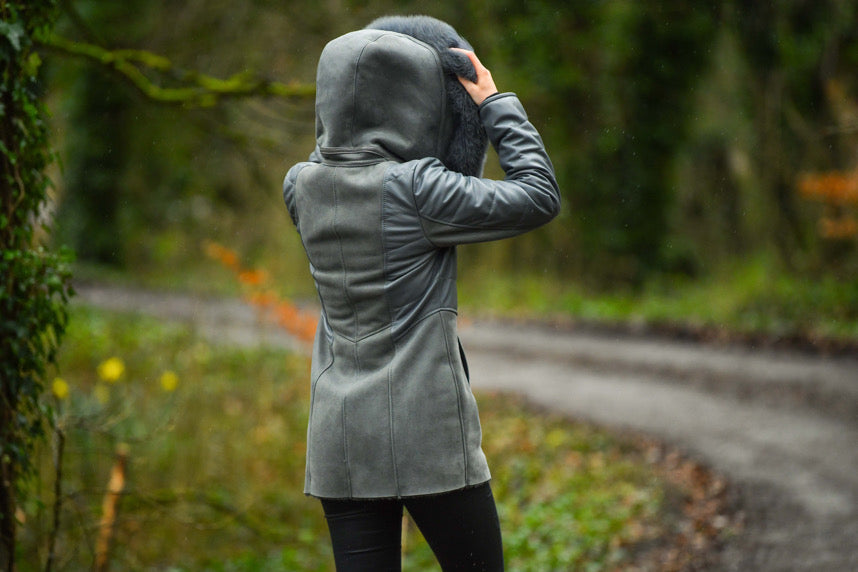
[{"x": 34, "y": 283}]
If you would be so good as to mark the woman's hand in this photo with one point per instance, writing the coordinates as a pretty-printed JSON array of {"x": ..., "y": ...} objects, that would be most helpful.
[{"x": 484, "y": 86}]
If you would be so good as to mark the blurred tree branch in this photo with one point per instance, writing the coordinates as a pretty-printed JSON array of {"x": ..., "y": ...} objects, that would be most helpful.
[
  {"x": 172, "y": 499},
  {"x": 193, "y": 89}
]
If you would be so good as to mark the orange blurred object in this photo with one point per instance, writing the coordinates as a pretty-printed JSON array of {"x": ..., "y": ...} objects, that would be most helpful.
[
  {"x": 839, "y": 192},
  {"x": 838, "y": 228},
  {"x": 835, "y": 188},
  {"x": 283, "y": 312}
]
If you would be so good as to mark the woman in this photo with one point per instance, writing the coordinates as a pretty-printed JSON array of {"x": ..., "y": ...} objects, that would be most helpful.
[{"x": 404, "y": 110}]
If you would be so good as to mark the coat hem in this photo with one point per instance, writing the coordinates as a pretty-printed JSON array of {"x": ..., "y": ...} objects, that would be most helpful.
[{"x": 398, "y": 497}]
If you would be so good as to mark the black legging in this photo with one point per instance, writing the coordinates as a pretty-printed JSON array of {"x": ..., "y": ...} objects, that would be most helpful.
[{"x": 461, "y": 527}]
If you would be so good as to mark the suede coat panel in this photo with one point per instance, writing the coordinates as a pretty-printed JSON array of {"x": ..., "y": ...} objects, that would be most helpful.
[{"x": 379, "y": 214}]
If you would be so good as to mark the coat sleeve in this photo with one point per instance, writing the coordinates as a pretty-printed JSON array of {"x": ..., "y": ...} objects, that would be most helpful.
[
  {"x": 455, "y": 208},
  {"x": 290, "y": 180},
  {"x": 289, "y": 192}
]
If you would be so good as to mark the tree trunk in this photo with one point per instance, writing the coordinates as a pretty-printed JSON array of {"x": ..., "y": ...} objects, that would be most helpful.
[{"x": 8, "y": 476}]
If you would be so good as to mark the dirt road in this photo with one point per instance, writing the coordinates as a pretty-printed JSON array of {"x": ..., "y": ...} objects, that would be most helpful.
[{"x": 783, "y": 427}]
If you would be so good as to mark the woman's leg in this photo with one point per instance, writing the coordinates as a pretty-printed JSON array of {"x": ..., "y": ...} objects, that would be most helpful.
[
  {"x": 462, "y": 527},
  {"x": 366, "y": 535}
]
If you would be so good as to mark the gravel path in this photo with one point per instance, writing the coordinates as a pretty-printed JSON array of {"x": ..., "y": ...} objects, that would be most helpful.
[{"x": 782, "y": 426}]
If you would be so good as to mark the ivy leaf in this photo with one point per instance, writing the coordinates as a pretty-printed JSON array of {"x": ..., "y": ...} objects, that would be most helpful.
[
  {"x": 33, "y": 64},
  {"x": 13, "y": 32}
]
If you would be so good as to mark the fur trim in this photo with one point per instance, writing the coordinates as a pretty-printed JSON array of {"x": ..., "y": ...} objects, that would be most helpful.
[{"x": 466, "y": 151}]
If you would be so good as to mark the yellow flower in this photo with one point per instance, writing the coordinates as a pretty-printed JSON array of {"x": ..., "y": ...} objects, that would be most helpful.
[
  {"x": 111, "y": 369},
  {"x": 60, "y": 388},
  {"x": 101, "y": 393},
  {"x": 169, "y": 381}
]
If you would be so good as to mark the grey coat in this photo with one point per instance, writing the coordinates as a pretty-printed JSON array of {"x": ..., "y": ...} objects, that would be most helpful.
[{"x": 392, "y": 413}]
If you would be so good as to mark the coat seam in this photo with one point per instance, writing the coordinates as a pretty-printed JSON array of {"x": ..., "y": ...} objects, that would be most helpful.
[
  {"x": 384, "y": 246},
  {"x": 342, "y": 254},
  {"x": 309, "y": 472},
  {"x": 346, "y": 449},
  {"x": 417, "y": 207},
  {"x": 399, "y": 335},
  {"x": 385, "y": 190},
  {"x": 458, "y": 401},
  {"x": 392, "y": 427},
  {"x": 310, "y": 431},
  {"x": 474, "y": 226},
  {"x": 358, "y": 340}
]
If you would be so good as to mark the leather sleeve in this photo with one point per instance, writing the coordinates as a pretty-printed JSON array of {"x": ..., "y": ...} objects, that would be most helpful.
[
  {"x": 456, "y": 209},
  {"x": 289, "y": 191},
  {"x": 290, "y": 180}
]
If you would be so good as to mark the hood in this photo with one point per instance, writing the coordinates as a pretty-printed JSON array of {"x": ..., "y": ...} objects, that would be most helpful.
[{"x": 391, "y": 89}]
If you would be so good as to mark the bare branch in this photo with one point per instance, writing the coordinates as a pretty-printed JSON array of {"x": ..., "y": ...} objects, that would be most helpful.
[
  {"x": 58, "y": 497},
  {"x": 194, "y": 89}
]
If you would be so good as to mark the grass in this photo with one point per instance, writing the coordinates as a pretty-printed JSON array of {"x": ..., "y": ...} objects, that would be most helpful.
[
  {"x": 215, "y": 464},
  {"x": 753, "y": 297},
  {"x": 570, "y": 497},
  {"x": 216, "y": 444}
]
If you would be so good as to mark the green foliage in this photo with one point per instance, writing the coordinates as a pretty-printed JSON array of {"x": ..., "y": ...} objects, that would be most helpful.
[
  {"x": 609, "y": 86},
  {"x": 109, "y": 139},
  {"x": 93, "y": 172},
  {"x": 570, "y": 497},
  {"x": 216, "y": 463},
  {"x": 677, "y": 131},
  {"x": 34, "y": 284},
  {"x": 795, "y": 51},
  {"x": 149, "y": 161},
  {"x": 756, "y": 297},
  {"x": 215, "y": 437}
]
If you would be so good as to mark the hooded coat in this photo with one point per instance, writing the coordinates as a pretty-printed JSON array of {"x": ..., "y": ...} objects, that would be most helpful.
[{"x": 380, "y": 207}]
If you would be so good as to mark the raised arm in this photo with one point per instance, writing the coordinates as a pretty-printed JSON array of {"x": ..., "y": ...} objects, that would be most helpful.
[{"x": 455, "y": 208}]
